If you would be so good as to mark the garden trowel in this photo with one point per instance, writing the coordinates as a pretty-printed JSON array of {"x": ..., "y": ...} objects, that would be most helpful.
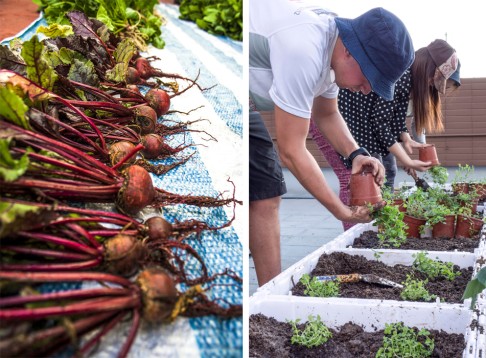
[
  {"x": 356, "y": 277},
  {"x": 419, "y": 182}
]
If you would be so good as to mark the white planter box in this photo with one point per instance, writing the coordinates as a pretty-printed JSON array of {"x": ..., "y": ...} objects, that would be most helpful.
[
  {"x": 283, "y": 283},
  {"x": 372, "y": 314}
]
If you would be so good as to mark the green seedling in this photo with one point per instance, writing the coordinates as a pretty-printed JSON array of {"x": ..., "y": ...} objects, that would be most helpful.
[
  {"x": 402, "y": 341},
  {"x": 433, "y": 268},
  {"x": 314, "y": 334},
  {"x": 414, "y": 290},
  {"x": 391, "y": 227},
  {"x": 316, "y": 288}
]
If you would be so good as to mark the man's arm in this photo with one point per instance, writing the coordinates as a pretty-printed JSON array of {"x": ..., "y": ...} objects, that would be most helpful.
[
  {"x": 291, "y": 138},
  {"x": 332, "y": 125}
]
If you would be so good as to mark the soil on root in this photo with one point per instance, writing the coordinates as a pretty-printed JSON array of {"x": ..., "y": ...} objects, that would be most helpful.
[
  {"x": 271, "y": 338},
  {"x": 369, "y": 240},
  {"x": 338, "y": 263}
]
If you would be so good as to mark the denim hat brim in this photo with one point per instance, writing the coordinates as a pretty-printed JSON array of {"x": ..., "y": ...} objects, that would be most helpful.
[
  {"x": 384, "y": 88},
  {"x": 456, "y": 76}
]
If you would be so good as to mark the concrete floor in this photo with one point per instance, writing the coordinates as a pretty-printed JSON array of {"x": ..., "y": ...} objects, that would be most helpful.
[{"x": 306, "y": 225}]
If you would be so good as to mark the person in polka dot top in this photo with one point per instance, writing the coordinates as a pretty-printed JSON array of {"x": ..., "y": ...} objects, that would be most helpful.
[{"x": 379, "y": 125}]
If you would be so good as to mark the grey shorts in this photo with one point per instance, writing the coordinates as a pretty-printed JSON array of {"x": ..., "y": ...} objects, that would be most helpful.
[{"x": 266, "y": 177}]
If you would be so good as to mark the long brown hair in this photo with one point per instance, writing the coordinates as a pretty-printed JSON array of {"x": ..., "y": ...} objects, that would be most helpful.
[{"x": 427, "y": 110}]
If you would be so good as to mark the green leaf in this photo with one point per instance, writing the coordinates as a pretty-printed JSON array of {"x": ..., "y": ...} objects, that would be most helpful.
[
  {"x": 84, "y": 72},
  {"x": 56, "y": 30},
  {"x": 11, "y": 169},
  {"x": 118, "y": 73},
  {"x": 13, "y": 215},
  {"x": 124, "y": 51},
  {"x": 38, "y": 70},
  {"x": 103, "y": 16},
  {"x": 10, "y": 60},
  {"x": 13, "y": 108}
]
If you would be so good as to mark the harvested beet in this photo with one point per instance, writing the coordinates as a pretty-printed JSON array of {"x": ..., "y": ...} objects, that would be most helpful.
[{"x": 159, "y": 100}]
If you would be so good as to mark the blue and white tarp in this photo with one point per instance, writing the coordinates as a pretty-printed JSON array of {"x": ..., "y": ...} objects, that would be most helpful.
[{"x": 217, "y": 138}]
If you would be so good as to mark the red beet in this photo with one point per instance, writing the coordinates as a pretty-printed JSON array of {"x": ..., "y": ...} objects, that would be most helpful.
[
  {"x": 133, "y": 76},
  {"x": 120, "y": 150},
  {"x": 158, "y": 228},
  {"x": 146, "y": 119},
  {"x": 136, "y": 192},
  {"x": 143, "y": 67},
  {"x": 159, "y": 100},
  {"x": 123, "y": 254}
]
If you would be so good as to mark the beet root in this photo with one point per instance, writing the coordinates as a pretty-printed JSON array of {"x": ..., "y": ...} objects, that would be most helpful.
[
  {"x": 143, "y": 68},
  {"x": 146, "y": 119},
  {"x": 133, "y": 76},
  {"x": 120, "y": 150},
  {"x": 159, "y": 294},
  {"x": 136, "y": 192},
  {"x": 123, "y": 254},
  {"x": 159, "y": 100},
  {"x": 158, "y": 228}
]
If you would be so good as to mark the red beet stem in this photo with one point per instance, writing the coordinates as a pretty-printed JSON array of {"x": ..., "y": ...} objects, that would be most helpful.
[
  {"x": 41, "y": 252},
  {"x": 63, "y": 295},
  {"x": 64, "y": 277},
  {"x": 60, "y": 241},
  {"x": 90, "y": 305},
  {"x": 55, "y": 267}
]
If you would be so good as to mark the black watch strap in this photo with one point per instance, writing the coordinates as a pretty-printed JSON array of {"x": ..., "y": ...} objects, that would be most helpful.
[{"x": 360, "y": 151}]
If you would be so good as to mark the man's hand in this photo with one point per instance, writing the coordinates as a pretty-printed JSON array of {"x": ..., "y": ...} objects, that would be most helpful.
[
  {"x": 362, "y": 214},
  {"x": 362, "y": 162}
]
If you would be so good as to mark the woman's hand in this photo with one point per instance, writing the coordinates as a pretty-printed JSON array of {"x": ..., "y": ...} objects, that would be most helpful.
[
  {"x": 362, "y": 162},
  {"x": 417, "y": 165},
  {"x": 409, "y": 144}
]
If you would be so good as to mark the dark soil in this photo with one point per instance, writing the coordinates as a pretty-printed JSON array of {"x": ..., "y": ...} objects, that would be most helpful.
[
  {"x": 369, "y": 240},
  {"x": 270, "y": 338},
  {"x": 338, "y": 263}
]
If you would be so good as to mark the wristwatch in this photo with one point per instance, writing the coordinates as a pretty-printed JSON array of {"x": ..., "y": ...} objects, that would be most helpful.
[{"x": 348, "y": 162}]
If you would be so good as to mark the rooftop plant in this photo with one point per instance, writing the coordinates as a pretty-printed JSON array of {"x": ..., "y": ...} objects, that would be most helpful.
[
  {"x": 316, "y": 288},
  {"x": 314, "y": 334},
  {"x": 434, "y": 268},
  {"x": 414, "y": 290},
  {"x": 402, "y": 341}
]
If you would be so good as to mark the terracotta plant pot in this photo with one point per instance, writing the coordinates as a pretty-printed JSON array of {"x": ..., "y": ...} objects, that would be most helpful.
[
  {"x": 414, "y": 225},
  {"x": 480, "y": 189},
  {"x": 459, "y": 188},
  {"x": 400, "y": 204},
  {"x": 445, "y": 229},
  {"x": 429, "y": 154},
  {"x": 467, "y": 226},
  {"x": 363, "y": 189}
]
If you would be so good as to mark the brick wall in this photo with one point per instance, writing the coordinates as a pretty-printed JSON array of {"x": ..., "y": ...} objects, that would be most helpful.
[{"x": 464, "y": 138}]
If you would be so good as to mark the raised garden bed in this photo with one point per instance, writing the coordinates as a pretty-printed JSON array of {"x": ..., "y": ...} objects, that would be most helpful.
[
  {"x": 357, "y": 326},
  {"x": 271, "y": 338},
  {"x": 370, "y": 240},
  {"x": 343, "y": 263}
]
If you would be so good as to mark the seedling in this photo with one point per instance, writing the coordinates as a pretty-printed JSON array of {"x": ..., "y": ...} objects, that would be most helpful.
[
  {"x": 391, "y": 227},
  {"x": 314, "y": 334},
  {"x": 433, "y": 268},
  {"x": 438, "y": 174},
  {"x": 316, "y": 288},
  {"x": 414, "y": 290},
  {"x": 402, "y": 341}
]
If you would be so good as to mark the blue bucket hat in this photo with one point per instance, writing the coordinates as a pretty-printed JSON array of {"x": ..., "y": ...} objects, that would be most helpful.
[{"x": 382, "y": 46}]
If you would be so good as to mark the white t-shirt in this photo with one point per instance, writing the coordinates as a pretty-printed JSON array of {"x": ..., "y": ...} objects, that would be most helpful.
[{"x": 290, "y": 48}]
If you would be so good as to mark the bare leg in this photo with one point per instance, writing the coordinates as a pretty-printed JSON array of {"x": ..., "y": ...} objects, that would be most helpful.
[{"x": 265, "y": 238}]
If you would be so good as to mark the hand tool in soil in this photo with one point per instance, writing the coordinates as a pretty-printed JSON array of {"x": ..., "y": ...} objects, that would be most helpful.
[
  {"x": 419, "y": 182},
  {"x": 356, "y": 277}
]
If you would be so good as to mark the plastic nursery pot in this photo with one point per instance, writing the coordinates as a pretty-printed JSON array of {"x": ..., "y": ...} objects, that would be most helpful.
[
  {"x": 446, "y": 228},
  {"x": 458, "y": 188},
  {"x": 467, "y": 226},
  {"x": 363, "y": 189},
  {"x": 480, "y": 189},
  {"x": 400, "y": 204},
  {"x": 414, "y": 225},
  {"x": 429, "y": 154}
]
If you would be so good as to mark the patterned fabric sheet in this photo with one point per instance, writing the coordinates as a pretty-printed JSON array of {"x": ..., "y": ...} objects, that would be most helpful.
[{"x": 217, "y": 148}]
